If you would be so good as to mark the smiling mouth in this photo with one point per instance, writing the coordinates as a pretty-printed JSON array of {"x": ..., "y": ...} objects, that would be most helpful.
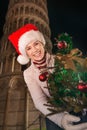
[{"x": 37, "y": 54}]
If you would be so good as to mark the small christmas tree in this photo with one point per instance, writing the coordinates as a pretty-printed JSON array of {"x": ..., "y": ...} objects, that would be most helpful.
[{"x": 68, "y": 83}]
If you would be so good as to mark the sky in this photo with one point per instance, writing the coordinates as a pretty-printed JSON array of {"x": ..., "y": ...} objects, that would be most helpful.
[
  {"x": 68, "y": 16},
  {"x": 71, "y": 17}
]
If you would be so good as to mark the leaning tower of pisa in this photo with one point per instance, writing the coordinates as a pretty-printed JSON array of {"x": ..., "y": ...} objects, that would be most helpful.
[
  {"x": 17, "y": 110},
  {"x": 21, "y": 12}
]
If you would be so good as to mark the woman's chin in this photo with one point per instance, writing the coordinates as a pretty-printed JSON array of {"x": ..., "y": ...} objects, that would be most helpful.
[{"x": 38, "y": 58}]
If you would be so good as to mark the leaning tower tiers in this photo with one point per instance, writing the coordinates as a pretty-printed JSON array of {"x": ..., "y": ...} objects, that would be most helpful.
[
  {"x": 17, "y": 110},
  {"x": 21, "y": 12}
]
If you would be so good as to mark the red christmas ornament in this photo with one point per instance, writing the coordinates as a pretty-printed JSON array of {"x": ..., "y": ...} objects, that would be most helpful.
[
  {"x": 82, "y": 87},
  {"x": 61, "y": 44},
  {"x": 43, "y": 76}
]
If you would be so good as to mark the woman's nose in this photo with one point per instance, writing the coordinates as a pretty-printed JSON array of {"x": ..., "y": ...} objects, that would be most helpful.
[{"x": 34, "y": 49}]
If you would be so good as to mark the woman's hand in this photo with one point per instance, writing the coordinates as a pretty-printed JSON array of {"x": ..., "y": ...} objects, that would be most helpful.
[{"x": 68, "y": 123}]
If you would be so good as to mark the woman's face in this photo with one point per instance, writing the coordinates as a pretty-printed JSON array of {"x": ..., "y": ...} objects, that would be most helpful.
[{"x": 35, "y": 51}]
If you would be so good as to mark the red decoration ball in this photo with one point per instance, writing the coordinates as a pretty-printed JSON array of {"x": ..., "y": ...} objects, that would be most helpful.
[
  {"x": 62, "y": 45},
  {"x": 82, "y": 87},
  {"x": 43, "y": 76}
]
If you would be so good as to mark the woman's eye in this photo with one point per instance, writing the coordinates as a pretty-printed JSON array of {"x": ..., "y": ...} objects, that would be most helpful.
[
  {"x": 36, "y": 43},
  {"x": 28, "y": 48}
]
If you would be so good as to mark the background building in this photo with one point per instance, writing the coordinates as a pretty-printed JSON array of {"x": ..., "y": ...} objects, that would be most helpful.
[{"x": 17, "y": 111}]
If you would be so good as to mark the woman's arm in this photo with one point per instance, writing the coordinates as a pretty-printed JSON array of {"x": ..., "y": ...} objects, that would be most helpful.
[
  {"x": 39, "y": 99},
  {"x": 61, "y": 119}
]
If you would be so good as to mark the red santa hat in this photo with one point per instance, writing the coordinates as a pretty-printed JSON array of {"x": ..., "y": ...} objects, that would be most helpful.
[{"x": 23, "y": 36}]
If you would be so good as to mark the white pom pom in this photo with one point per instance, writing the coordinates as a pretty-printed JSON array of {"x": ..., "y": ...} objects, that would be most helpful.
[{"x": 22, "y": 59}]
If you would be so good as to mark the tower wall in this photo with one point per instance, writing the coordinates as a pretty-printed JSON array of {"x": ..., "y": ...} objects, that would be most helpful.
[{"x": 17, "y": 110}]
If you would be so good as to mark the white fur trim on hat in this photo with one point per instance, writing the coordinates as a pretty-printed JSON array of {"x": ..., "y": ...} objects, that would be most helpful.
[
  {"x": 25, "y": 39},
  {"x": 22, "y": 59}
]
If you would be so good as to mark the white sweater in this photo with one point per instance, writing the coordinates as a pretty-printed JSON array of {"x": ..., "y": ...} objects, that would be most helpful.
[{"x": 38, "y": 90}]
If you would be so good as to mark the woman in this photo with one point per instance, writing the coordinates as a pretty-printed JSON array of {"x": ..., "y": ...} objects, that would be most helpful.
[{"x": 29, "y": 42}]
